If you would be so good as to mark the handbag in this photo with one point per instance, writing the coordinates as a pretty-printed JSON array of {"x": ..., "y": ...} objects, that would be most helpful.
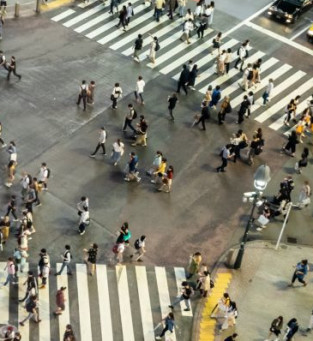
[
  {"x": 262, "y": 220},
  {"x": 112, "y": 97}
]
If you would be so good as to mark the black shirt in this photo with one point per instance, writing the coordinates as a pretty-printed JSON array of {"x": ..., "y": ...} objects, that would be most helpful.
[
  {"x": 172, "y": 102},
  {"x": 92, "y": 256},
  {"x": 138, "y": 44}
]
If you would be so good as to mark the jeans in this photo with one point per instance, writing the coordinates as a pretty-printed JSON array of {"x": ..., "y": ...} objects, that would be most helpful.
[
  {"x": 84, "y": 98},
  {"x": 158, "y": 13},
  {"x": 139, "y": 95},
  {"x": 223, "y": 165},
  {"x": 12, "y": 210},
  {"x": 181, "y": 10},
  {"x": 31, "y": 315},
  {"x": 181, "y": 298},
  {"x": 65, "y": 264},
  {"x": 265, "y": 97},
  {"x": 128, "y": 123},
  {"x": 10, "y": 278}
]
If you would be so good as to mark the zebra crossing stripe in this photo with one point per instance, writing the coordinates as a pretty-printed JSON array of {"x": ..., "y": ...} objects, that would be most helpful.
[
  {"x": 63, "y": 15},
  {"x": 166, "y": 29},
  {"x": 64, "y": 318},
  {"x": 21, "y": 307},
  {"x": 178, "y": 48},
  {"x": 104, "y": 306},
  {"x": 302, "y": 106},
  {"x": 133, "y": 24},
  {"x": 279, "y": 89},
  {"x": 145, "y": 305},
  {"x": 98, "y": 19},
  {"x": 4, "y": 297},
  {"x": 164, "y": 296},
  {"x": 44, "y": 312},
  {"x": 180, "y": 277},
  {"x": 83, "y": 303},
  {"x": 300, "y": 90},
  {"x": 86, "y": 4},
  {"x": 83, "y": 16},
  {"x": 124, "y": 303},
  {"x": 134, "y": 35}
]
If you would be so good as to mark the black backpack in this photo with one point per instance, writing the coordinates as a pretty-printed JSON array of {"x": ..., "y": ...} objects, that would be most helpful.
[
  {"x": 250, "y": 75},
  {"x": 134, "y": 115},
  {"x": 157, "y": 46},
  {"x": 30, "y": 179},
  {"x": 48, "y": 173},
  {"x": 136, "y": 244}
]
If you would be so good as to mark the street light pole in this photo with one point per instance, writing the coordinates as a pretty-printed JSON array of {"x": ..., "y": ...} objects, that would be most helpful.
[{"x": 241, "y": 251}]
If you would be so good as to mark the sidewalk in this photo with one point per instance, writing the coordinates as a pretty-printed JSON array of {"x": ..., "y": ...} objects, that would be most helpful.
[{"x": 260, "y": 289}]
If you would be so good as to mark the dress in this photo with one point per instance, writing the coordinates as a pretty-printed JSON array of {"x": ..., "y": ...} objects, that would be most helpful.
[{"x": 152, "y": 51}]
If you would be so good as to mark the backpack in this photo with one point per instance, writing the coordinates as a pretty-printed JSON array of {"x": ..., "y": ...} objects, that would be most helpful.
[
  {"x": 228, "y": 109},
  {"x": 250, "y": 75},
  {"x": 238, "y": 52},
  {"x": 157, "y": 46},
  {"x": 115, "y": 249},
  {"x": 30, "y": 179},
  {"x": 136, "y": 244},
  {"x": 134, "y": 115},
  {"x": 84, "y": 92},
  {"x": 48, "y": 173}
]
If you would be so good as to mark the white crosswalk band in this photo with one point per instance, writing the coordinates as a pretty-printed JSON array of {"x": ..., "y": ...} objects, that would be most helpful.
[
  {"x": 124, "y": 303},
  {"x": 145, "y": 305},
  {"x": 63, "y": 15},
  {"x": 281, "y": 104},
  {"x": 164, "y": 296},
  {"x": 83, "y": 16},
  {"x": 21, "y": 307},
  {"x": 83, "y": 302},
  {"x": 44, "y": 312},
  {"x": 64, "y": 318},
  {"x": 277, "y": 90},
  {"x": 85, "y": 4},
  {"x": 104, "y": 306},
  {"x": 180, "y": 277},
  {"x": 4, "y": 296}
]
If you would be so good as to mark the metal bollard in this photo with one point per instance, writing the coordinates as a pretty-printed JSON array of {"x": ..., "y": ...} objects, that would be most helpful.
[
  {"x": 17, "y": 10},
  {"x": 38, "y": 6},
  {"x": 229, "y": 257}
]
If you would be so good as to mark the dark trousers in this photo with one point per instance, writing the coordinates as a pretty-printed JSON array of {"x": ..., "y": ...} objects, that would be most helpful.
[
  {"x": 170, "y": 110},
  {"x": 222, "y": 166},
  {"x": 200, "y": 31},
  {"x": 158, "y": 13},
  {"x": 112, "y": 4},
  {"x": 98, "y": 147},
  {"x": 164, "y": 331},
  {"x": 121, "y": 22},
  {"x": 29, "y": 206},
  {"x": 1, "y": 140},
  {"x": 11, "y": 210},
  {"x": 14, "y": 72},
  {"x": 240, "y": 116},
  {"x": 291, "y": 146},
  {"x": 84, "y": 98},
  {"x": 182, "y": 85},
  {"x": 221, "y": 117},
  {"x": 294, "y": 277},
  {"x": 239, "y": 61},
  {"x": 202, "y": 120},
  {"x": 227, "y": 67},
  {"x": 128, "y": 123},
  {"x": 82, "y": 227},
  {"x": 114, "y": 102}
]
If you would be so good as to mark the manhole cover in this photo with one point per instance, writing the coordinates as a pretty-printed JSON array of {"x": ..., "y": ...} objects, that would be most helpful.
[{"x": 292, "y": 240}]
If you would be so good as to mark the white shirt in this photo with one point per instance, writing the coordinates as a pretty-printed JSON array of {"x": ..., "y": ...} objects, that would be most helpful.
[
  {"x": 82, "y": 204},
  {"x": 188, "y": 27},
  {"x": 140, "y": 86},
  {"x": 84, "y": 217},
  {"x": 118, "y": 148},
  {"x": 25, "y": 182},
  {"x": 129, "y": 12},
  {"x": 117, "y": 91},
  {"x": 157, "y": 160},
  {"x": 270, "y": 87},
  {"x": 43, "y": 174},
  {"x": 242, "y": 52},
  {"x": 102, "y": 136}
]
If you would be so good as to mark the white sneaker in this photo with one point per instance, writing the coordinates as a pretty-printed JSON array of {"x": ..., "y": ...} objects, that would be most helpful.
[
  {"x": 158, "y": 338},
  {"x": 4, "y": 145}
]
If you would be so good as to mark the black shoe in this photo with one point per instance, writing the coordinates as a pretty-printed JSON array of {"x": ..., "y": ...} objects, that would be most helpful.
[
  {"x": 187, "y": 309},
  {"x": 70, "y": 274},
  {"x": 56, "y": 274},
  {"x": 170, "y": 306}
]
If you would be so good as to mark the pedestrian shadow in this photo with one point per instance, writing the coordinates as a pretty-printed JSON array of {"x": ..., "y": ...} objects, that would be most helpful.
[
  {"x": 289, "y": 170},
  {"x": 208, "y": 168}
]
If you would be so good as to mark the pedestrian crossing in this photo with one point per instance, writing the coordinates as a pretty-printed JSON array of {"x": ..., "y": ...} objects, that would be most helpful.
[
  {"x": 117, "y": 303},
  {"x": 94, "y": 21}
]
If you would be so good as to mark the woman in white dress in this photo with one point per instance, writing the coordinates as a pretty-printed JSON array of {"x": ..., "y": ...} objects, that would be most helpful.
[
  {"x": 152, "y": 51},
  {"x": 118, "y": 151},
  {"x": 304, "y": 196}
]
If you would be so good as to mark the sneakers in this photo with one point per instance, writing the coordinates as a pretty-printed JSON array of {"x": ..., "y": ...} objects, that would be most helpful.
[
  {"x": 152, "y": 181},
  {"x": 4, "y": 145},
  {"x": 82, "y": 233},
  {"x": 92, "y": 155},
  {"x": 170, "y": 306},
  {"x": 158, "y": 338},
  {"x": 21, "y": 324},
  {"x": 126, "y": 179},
  {"x": 187, "y": 309},
  {"x": 138, "y": 179}
]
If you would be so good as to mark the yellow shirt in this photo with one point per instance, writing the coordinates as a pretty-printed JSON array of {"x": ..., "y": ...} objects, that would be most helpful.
[{"x": 162, "y": 168}]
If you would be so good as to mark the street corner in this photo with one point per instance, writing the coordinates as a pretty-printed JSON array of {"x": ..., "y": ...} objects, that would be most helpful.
[{"x": 46, "y": 6}]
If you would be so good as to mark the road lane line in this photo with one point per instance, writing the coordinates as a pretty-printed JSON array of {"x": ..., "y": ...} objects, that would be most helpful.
[
  {"x": 63, "y": 15},
  {"x": 180, "y": 276},
  {"x": 83, "y": 16},
  {"x": 44, "y": 312}
]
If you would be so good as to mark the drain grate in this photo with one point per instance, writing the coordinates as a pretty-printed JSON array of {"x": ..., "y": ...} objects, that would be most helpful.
[{"x": 292, "y": 240}]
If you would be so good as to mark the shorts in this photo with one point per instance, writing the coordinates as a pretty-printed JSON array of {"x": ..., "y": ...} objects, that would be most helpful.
[{"x": 61, "y": 306}]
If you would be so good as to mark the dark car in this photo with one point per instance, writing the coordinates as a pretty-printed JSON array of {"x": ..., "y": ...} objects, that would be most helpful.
[{"x": 289, "y": 10}]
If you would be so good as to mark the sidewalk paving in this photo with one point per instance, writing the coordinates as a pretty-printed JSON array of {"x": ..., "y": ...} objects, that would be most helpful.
[{"x": 260, "y": 289}]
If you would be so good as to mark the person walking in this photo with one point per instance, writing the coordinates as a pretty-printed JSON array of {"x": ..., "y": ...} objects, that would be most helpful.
[
  {"x": 154, "y": 46},
  {"x": 141, "y": 132},
  {"x": 60, "y": 301},
  {"x": 289, "y": 110},
  {"x": 183, "y": 79},
  {"x": 202, "y": 25},
  {"x": 276, "y": 328},
  {"x": 69, "y": 334},
  {"x": 122, "y": 18},
  {"x": 66, "y": 261},
  {"x": 91, "y": 92},
  {"x": 82, "y": 95},
  {"x": 220, "y": 63},
  {"x": 83, "y": 221},
  {"x": 305, "y": 195},
  {"x": 310, "y": 326},
  {"x": 167, "y": 180},
  {"x": 116, "y": 94},
  {"x": 244, "y": 105},
  {"x": 228, "y": 60},
  {"x": 31, "y": 308},
  {"x": 187, "y": 28},
  {"x": 130, "y": 13},
  {"x": 11, "y": 273},
  {"x": 12, "y": 68},
  {"x": 242, "y": 54},
  {"x": 91, "y": 258},
  {"x": 132, "y": 172},
  {"x": 113, "y": 3},
  {"x": 1, "y": 140},
  {"x": 169, "y": 322},
  {"x": 300, "y": 272},
  {"x": 43, "y": 176},
  {"x": 205, "y": 115},
  {"x": 101, "y": 143},
  {"x": 140, "y": 85},
  {"x": 194, "y": 265},
  {"x": 290, "y": 147},
  {"x": 140, "y": 246},
  {"x": 303, "y": 162},
  {"x": 155, "y": 163},
  {"x": 118, "y": 151},
  {"x": 158, "y": 8},
  {"x": 172, "y": 100},
  {"x": 138, "y": 47},
  {"x": 130, "y": 116},
  {"x": 186, "y": 293},
  {"x": 216, "y": 96},
  {"x": 158, "y": 174},
  {"x": 11, "y": 208},
  {"x": 119, "y": 249},
  {"x": 232, "y": 337},
  {"x": 181, "y": 8},
  {"x": 225, "y": 155},
  {"x": 216, "y": 43},
  {"x": 31, "y": 286},
  {"x": 292, "y": 329},
  {"x": 192, "y": 77},
  {"x": 225, "y": 108}
]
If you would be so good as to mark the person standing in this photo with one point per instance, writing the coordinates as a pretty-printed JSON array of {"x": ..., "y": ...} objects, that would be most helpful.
[
  {"x": 228, "y": 60},
  {"x": 101, "y": 142},
  {"x": 202, "y": 22},
  {"x": 91, "y": 92},
  {"x": 153, "y": 48},
  {"x": 116, "y": 94},
  {"x": 183, "y": 79},
  {"x": 66, "y": 261},
  {"x": 305, "y": 195},
  {"x": 244, "y": 106},
  {"x": 225, "y": 155},
  {"x": 11, "y": 208},
  {"x": 43, "y": 259},
  {"x": 300, "y": 272},
  {"x": 303, "y": 162},
  {"x": 140, "y": 246},
  {"x": 181, "y": 7},
  {"x": 192, "y": 77},
  {"x": 141, "y": 132},
  {"x": 194, "y": 265},
  {"x": 210, "y": 12},
  {"x": 91, "y": 258},
  {"x": 185, "y": 296},
  {"x": 60, "y": 301},
  {"x": 12, "y": 151},
  {"x": 276, "y": 327},
  {"x": 82, "y": 95},
  {"x": 205, "y": 115},
  {"x": 12, "y": 68},
  {"x": 289, "y": 110},
  {"x": 216, "y": 43},
  {"x": 132, "y": 172},
  {"x": 11, "y": 273},
  {"x": 44, "y": 174},
  {"x": 69, "y": 334},
  {"x": 224, "y": 109},
  {"x": 130, "y": 116},
  {"x": 169, "y": 322},
  {"x": 172, "y": 100},
  {"x": 113, "y": 3},
  {"x": 31, "y": 308},
  {"x": 137, "y": 47},
  {"x": 117, "y": 152},
  {"x": 140, "y": 85}
]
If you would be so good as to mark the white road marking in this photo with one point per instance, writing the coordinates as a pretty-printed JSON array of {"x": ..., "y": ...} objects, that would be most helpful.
[
  {"x": 83, "y": 16},
  {"x": 21, "y": 306},
  {"x": 300, "y": 32},
  {"x": 44, "y": 312},
  {"x": 63, "y": 15},
  {"x": 84, "y": 4},
  {"x": 180, "y": 277}
]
